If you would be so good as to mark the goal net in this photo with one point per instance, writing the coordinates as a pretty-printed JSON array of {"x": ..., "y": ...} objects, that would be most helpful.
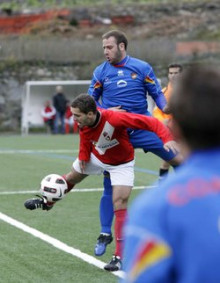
[{"x": 37, "y": 92}]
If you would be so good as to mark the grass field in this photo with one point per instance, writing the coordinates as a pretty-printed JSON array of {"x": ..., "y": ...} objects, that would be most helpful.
[{"x": 30, "y": 255}]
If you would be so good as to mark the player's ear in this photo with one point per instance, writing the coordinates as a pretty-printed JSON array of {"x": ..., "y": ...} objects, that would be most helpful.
[
  {"x": 121, "y": 46},
  {"x": 90, "y": 114}
]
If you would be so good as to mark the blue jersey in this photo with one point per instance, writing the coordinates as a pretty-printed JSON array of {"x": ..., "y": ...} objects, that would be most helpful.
[
  {"x": 173, "y": 232},
  {"x": 127, "y": 85}
]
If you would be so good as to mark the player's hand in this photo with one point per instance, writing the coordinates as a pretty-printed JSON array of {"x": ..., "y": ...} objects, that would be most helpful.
[
  {"x": 117, "y": 108},
  {"x": 171, "y": 145},
  {"x": 82, "y": 165}
]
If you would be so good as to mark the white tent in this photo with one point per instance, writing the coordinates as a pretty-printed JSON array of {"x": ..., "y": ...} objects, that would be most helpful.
[{"x": 37, "y": 92}]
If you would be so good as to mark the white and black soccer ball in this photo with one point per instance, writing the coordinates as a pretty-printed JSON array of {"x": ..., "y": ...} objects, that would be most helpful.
[{"x": 53, "y": 187}]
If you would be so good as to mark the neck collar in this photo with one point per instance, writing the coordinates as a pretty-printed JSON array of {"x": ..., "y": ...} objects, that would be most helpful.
[{"x": 122, "y": 62}]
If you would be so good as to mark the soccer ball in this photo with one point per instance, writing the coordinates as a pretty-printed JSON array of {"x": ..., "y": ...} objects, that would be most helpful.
[{"x": 53, "y": 187}]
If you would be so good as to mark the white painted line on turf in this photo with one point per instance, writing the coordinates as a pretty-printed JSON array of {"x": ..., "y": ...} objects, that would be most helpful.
[
  {"x": 57, "y": 244},
  {"x": 73, "y": 191},
  {"x": 13, "y": 151}
]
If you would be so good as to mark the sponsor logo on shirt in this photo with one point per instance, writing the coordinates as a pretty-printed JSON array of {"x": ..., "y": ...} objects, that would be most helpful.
[
  {"x": 105, "y": 142},
  {"x": 107, "y": 80},
  {"x": 121, "y": 83},
  {"x": 120, "y": 73},
  {"x": 195, "y": 189}
]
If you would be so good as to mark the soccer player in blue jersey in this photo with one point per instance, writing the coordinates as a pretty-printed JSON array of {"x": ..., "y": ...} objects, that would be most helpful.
[
  {"x": 122, "y": 83},
  {"x": 173, "y": 232}
]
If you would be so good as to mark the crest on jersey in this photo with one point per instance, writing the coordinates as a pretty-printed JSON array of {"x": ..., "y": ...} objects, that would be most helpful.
[
  {"x": 106, "y": 135},
  {"x": 133, "y": 76}
]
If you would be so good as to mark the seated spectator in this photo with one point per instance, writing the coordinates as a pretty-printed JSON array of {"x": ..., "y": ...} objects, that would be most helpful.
[{"x": 48, "y": 113}]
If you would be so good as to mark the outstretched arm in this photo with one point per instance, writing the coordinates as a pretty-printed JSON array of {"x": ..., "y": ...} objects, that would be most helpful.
[{"x": 138, "y": 121}]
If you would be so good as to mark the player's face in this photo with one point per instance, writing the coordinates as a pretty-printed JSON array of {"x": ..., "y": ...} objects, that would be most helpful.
[
  {"x": 82, "y": 119},
  {"x": 113, "y": 53},
  {"x": 173, "y": 74}
]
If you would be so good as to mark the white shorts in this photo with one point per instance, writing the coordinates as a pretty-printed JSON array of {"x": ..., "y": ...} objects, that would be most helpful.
[{"x": 122, "y": 174}]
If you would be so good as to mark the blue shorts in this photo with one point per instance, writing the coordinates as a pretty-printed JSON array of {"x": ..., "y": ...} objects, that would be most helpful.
[{"x": 149, "y": 141}]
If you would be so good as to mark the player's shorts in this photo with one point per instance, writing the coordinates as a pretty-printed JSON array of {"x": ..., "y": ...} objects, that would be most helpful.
[
  {"x": 121, "y": 175},
  {"x": 149, "y": 141}
]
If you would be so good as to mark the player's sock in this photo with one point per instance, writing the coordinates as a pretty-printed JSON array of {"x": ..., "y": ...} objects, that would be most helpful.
[
  {"x": 69, "y": 185},
  {"x": 120, "y": 216},
  {"x": 106, "y": 210},
  {"x": 175, "y": 167},
  {"x": 163, "y": 172}
]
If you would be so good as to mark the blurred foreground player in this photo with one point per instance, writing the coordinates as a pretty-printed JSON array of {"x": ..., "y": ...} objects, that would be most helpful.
[
  {"x": 104, "y": 145},
  {"x": 173, "y": 232}
]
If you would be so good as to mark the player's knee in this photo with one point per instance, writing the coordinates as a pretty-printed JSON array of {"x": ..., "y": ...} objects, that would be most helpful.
[{"x": 120, "y": 203}]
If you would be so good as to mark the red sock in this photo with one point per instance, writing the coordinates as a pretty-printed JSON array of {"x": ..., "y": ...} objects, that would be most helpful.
[
  {"x": 69, "y": 185},
  {"x": 120, "y": 216}
]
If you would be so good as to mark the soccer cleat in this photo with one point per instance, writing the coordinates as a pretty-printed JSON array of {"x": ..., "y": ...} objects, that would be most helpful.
[
  {"x": 114, "y": 265},
  {"x": 39, "y": 202},
  {"x": 102, "y": 242}
]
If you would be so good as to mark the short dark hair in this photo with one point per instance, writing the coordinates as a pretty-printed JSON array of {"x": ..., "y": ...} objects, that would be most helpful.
[
  {"x": 85, "y": 103},
  {"x": 195, "y": 106},
  {"x": 175, "y": 65},
  {"x": 118, "y": 35}
]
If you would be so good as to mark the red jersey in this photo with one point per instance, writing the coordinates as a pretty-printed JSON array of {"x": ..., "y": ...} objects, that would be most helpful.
[
  {"x": 48, "y": 113},
  {"x": 108, "y": 139},
  {"x": 68, "y": 112}
]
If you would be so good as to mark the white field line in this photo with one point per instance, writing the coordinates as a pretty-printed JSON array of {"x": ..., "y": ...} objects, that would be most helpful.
[
  {"x": 22, "y": 151},
  {"x": 13, "y": 151},
  {"x": 57, "y": 244},
  {"x": 73, "y": 191}
]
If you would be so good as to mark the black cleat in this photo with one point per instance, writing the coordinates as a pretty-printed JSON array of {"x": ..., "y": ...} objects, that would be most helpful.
[
  {"x": 102, "y": 242},
  {"x": 39, "y": 202},
  {"x": 114, "y": 265}
]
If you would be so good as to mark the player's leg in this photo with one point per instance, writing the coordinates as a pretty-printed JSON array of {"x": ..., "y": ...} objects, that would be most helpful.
[
  {"x": 149, "y": 141},
  {"x": 62, "y": 121},
  {"x": 164, "y": 170},
  {"x": 169, "y": 159},
  {"x": 56, "y": 123},
  {"x": 139, "y": 139},
  {"x": 122, "y": 174},
  {"x": 67, "y": 126},
  {"x": 106, "y": 214}
]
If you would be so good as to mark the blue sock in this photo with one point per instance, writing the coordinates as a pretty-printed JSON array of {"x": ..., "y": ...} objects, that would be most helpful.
[{"x": 106, "y": 211}]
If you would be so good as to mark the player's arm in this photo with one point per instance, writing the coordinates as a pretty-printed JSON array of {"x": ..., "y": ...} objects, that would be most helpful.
[
  {"x": 95, "y": 88},
  {"x": 85, "y": 149},
  {"x": 138, "y": 121},
  {"x": 153, "y": 88}
]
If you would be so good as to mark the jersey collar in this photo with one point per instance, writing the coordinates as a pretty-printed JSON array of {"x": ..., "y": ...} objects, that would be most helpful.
[{"x": 122, "y": 62}]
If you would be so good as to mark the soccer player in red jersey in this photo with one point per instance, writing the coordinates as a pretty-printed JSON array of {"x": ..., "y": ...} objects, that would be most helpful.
[{"x": 105, "y": 146}]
